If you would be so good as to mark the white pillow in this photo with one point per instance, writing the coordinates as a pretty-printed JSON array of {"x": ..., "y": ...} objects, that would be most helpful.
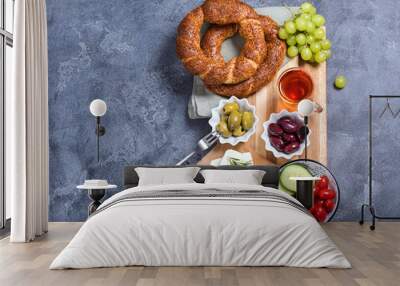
[
  {"x": 166, "y": 176},
  {"x": 247, "y": 177}
]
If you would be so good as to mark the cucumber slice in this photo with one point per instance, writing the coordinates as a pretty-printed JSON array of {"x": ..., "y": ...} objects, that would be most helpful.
[
  {"x": 283, "y": 189},
  {"x": 294, "y": 170}
]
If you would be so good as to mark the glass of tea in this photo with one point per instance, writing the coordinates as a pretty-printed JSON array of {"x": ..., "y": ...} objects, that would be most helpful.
[{"x": 294, "y": 85}]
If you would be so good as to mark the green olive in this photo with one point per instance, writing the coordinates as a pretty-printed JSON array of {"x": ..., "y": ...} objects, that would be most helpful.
[
  {"x": 222, "y": 128},
  {"x": 234, "y": 120},
  {"x": 231, "y": 106},
  {"x": 247, "y": 120},
  {"x": 238, "y": 132},
  {"x": 224, "y": 117}
]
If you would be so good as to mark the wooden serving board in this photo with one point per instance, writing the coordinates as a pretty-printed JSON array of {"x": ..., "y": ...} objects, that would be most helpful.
[{"x": 267, "y": 101}]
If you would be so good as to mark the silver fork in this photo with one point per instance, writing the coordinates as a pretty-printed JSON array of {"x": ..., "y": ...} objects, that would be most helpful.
[{"x": 204, "y": 143}]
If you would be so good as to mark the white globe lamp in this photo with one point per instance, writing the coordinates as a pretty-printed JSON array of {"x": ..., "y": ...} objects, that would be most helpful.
[{"x": 98, "y": 107}]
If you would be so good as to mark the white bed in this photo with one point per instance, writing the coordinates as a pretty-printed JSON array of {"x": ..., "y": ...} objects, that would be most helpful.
[{"x": 257, "y": 226}]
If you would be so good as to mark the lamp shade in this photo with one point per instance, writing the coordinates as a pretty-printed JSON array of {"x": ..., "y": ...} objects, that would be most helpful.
[
  {"x": 305, "y": 107},
  {"x": 98, "y": 107}
]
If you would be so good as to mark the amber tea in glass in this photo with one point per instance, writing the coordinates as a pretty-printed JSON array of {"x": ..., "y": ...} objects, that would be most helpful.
[{"x": 295, "y": 85}]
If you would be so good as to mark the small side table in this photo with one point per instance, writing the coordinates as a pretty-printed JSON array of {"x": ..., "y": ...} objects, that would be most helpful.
[
  {"x": 95, "y": 194},
  {"x": 304, "y": 190}
]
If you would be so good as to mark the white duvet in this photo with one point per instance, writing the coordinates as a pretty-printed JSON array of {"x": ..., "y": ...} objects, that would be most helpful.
[{"x": 190, "y": 231}]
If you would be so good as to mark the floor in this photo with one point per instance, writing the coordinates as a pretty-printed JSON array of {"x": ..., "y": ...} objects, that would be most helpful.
[
  {"x": 375, "y": 257},
  {"x": 4, "y": 232}
]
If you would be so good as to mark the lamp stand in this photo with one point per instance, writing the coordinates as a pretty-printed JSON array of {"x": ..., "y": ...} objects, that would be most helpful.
[
  {"x": 100, "y": 131},
  {"x": 305, "y": 136}
]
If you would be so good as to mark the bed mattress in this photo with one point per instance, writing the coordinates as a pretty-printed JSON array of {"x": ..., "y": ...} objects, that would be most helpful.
[{"x": 201, "y": 225}]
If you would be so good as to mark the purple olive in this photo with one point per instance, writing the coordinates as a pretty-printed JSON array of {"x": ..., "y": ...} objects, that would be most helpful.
[
  {"x": 289, "y": 137},
  {"x": 277, "y": 143},
  {"x": 275, "y": 130},
  {"x": 291, "y": 147},
  {"x": 285, "y": 119},
  {"x": 289, "y": 126},
  {"x": 300, "y": 123}
]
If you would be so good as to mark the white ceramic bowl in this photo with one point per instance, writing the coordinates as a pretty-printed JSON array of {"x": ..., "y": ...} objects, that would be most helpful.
[
  {"x": 274, "y": 117},
  {"x": 216, "y": 116}
]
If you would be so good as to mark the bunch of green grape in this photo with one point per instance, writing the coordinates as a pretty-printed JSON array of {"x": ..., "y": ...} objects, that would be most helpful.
[{"x": 305, "y": 35}]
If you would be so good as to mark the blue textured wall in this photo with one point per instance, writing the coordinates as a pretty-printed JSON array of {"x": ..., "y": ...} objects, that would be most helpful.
[{"x": 124, "y": 52}]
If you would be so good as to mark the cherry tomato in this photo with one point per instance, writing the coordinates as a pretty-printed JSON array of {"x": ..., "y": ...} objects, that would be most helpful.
[
  {"x": 318, "y": 203},
  {"x": 326, "y": 194},
  {"x": 320, "y": 214},
  {"x": 317, "y": 185},
  {"x": 323, "y": 182},
  {"x": 329, "y": 205},
  {"x": 317, "y": 193}
]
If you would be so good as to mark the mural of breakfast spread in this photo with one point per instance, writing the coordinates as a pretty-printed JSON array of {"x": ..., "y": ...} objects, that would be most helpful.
[
  {"x": 275, "y": 80},
  {"x": 203, "y": 142}
]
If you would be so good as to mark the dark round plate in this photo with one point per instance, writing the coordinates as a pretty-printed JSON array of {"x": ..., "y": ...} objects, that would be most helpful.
[{"x": 318, "y": 170}]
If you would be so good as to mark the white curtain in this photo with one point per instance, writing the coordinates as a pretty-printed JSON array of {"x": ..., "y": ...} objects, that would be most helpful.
[{"x": 27, "y": 123}]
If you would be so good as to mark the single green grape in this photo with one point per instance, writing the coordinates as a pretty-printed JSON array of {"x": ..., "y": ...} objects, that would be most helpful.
[
  {"x": 306, "y": 54},
  {"x": 326, "y": 44},
  {"x": 315, "y": 47},
  {"x": 306, "y": 7},
  {"x": 283, "y": 35},
  {"x": 310, "y": 27},
  {"x": 318, "y": 20},
  {"x": 292, "y": 51},
  {"x": 300, "y": 48},
  {"x": 310, "y": 39},
  {"x": 319, "y": 34},
  {"x": 301, "y": 39},
  {"x": 300, "y": 24},
  {"x": 306, "y": 17},
  {"x": 340, "y": 81},
  {"x": 291, "y": 41},
  {"x": 313, "y": 10},
  {"x": 328, "y": 54},
  {"x": 290, "y": 27},
  {"x": 320, "y": 57}
]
